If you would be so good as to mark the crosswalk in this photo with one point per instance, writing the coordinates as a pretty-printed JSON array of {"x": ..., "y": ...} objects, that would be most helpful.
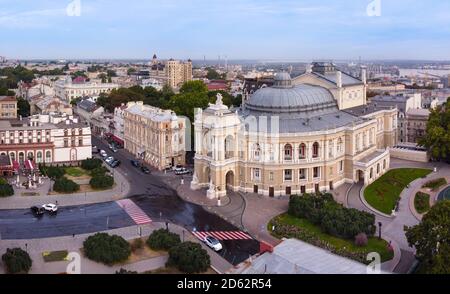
[
  {"x": 136, "y": 214},
  {"x": 223, "y": 235}
]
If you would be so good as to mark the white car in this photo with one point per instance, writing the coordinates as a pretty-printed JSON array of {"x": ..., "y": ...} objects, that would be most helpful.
[
  {"x": 213, "y": 243},
  {"x": 103, "y": 153},
  {"x": 50, "y": 207},
  {"x": 109, "y": 160}
]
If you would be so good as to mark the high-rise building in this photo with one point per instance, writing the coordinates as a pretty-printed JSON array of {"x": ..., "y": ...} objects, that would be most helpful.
[{"x": 172, "y": 72}]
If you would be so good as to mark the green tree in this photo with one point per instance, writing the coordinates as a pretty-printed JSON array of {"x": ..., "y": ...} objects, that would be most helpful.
[
  {"x": 111, "y": 73},
  {"x": 437, "y": 134},
  {"x": 131, "y": 70},
  {"x": 185, "y": 103},
  {"x": 101, "y": 182},
  {"x": 64, "y": 185},
  {"x": 431, "y": 238},
  {"x": 23, "y": 107},
  {"x": 103, "y": 77},
  {"x": 107, "y": 249},
  {"x": 189, "y": 258},
  {"x": 194, "y": 87},
  {"x": 91, "y": 163},
  {"x": 212, "y": 74},
  {"x": 6, "y": 189},
  {"x": 16, "y": 261},
  {"x": 163, "y": 240},
  {"x": 79, "y": 74}
]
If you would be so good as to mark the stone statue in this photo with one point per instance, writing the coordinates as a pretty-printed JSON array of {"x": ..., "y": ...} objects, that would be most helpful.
[{"x": 219, "y": 99}]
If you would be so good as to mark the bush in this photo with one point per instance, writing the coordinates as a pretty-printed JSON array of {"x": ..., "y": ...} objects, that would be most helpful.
[
  {"x": 3, "y": 181},
  {"x": 123, "y": 271},
  {"x": 107, "y": 249},
  {"x": 6, "y": 190},
  {"x": 101, "y": 182},
  {"x": 64, "y": 185},
  {"x": 99, "y": 171},
  {"x": 332, "y": 217},
  {"x": 435, "y": 184},
  {"x": 16, "y": 261},
  {"x": 189, "y": 258},
  {"x": 137, "y": 244},
  {"x": 91, "y": 163},
  {"x": 422, "y": 202},
  {"x": 163, "y": 240},
  {"x": 361, "y": 240},
  {"x": 54, "y": 172}
]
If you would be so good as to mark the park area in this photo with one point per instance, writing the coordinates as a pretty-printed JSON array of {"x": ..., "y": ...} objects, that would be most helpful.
[{"x": 384, "y": 193}]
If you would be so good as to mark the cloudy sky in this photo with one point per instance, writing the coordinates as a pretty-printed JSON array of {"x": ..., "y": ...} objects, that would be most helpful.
[{"x": 238, "y": 29}]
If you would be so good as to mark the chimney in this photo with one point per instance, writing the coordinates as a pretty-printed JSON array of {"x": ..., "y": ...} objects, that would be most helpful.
[
  {"x": 364, "y": 74},
  {"x": 339, "y": 79}
]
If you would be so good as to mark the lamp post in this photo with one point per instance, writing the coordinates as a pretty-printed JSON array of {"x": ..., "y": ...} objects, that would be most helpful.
[{"x": 379, "y": 230}]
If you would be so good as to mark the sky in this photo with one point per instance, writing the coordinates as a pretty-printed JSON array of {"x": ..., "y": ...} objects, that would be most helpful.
[{"x": 237, "y": 29}]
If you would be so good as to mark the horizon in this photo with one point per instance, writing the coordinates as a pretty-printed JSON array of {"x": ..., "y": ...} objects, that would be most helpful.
[{"x": 241, "y": 30}]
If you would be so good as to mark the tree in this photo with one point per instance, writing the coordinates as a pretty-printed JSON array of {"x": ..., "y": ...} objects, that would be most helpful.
[
  {"x": 131, "y": 70},
  {"x": 64, "y": 185},
  {"x": 189, "y": 258},
  {"x": 194, "y": 87},
  {"x": 163, "y": 240},
  {"x": 91, "y": 163},
  {"x": 6, "y": 189},
  {"x": 103, "y": 77},
  {"x": 16, "y": 261},
  {"x": 107, "y": 249},
  {"x": 214, "y": 75},
  {"x": 431, "y": 238},
  {"x": 101, "y": 182},
  {"x": 111, "y": 73},
  {"x": 23, "y": 107},
  {"x": 437, "y": 134}
]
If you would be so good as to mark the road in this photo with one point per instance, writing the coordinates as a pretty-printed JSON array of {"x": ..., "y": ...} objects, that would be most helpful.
[{"x": 159, "y": 201}]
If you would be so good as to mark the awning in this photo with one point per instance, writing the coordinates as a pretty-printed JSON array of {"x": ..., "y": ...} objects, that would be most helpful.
[
  {"x": 30, "y": 164},
  {"x": 117, "y": 140}
]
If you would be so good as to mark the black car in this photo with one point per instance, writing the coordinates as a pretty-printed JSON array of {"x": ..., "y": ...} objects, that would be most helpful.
[
  {"x": 37, "y": 211},
  {"x": 134, "y": 163},
  {"x": 145, "y": 169},
  {"x": 115, "y": 163}
]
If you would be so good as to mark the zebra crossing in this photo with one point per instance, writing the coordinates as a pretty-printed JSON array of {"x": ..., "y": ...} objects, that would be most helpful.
[
  {"x": 136, "y": 214},
  {"x": 223, "y": 235}
]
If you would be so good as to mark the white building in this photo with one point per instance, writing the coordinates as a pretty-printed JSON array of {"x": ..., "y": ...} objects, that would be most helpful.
[{"x": 68, "y": 90}]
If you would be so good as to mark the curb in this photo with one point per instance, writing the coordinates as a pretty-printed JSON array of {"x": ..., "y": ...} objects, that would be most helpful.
[
  {"x": 348, "y": 193},
  {"x": 367, "y": 205}
]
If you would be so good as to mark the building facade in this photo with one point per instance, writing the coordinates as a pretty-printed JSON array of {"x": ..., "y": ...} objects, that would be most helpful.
[
  {"x": 171, "y": 72},
  {"x": 416, "y": 124},
  {"x": 49, "y": 139},
  {"x": 154, "y": 135},
  {"x": 8, "y": 107},
  {"x": 67, "y": 90},
  {"x": 292, "y": 138}
]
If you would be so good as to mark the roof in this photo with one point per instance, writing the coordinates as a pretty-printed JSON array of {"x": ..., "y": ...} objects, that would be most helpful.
[
  {"x": 293, "y": 256},
  {"x": 363, "y": 110},
  {"x": 152, "y": 113},
  {"x": 7, "y": 98},
  {"x": 347, "y": 80},
  {"x": 419, "y": 112},
  {"x": 87, "y": 105}
]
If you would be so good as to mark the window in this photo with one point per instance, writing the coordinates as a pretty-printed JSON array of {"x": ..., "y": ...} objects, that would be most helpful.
[
  {"x": 66, "y": 142},
  {"x": 48, "y": 156},
  {"x": 256, "y": 151},
  {"x": 80, "y": 142},
  {"x": 66, "y": 133},
  {"x": 331, "y": 149},
  {"x": 256, "y": 174},
  {"x": 288, "y": 152},
  {"x": 288, "y": 174},
  {"x": 384, "y": 164},
  {"x": 341, "y": 166},
  {"x": 270, "y": 176},
  {"x": 316, "y": 172},
  {"x": 39, "y": 157},
  {"x": 315, "y": 150},
  {"x": 371, "y": 173},
  {"x": 378, "y": 168},
  {"x": 72, "y": 142},
  {"x": 80, "y": 131},
  {"x": 302, "y": 174},
  {"x": 302, "y": 151},
  {"x": 340, "y": 146}
]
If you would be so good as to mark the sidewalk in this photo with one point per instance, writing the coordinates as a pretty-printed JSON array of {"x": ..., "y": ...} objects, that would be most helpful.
[
  {"x": 120, "y": 190},
  {"x": 36, "y": 247}
]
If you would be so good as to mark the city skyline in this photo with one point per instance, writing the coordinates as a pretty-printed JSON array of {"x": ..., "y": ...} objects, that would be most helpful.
[{"x": 257, "y": 30}]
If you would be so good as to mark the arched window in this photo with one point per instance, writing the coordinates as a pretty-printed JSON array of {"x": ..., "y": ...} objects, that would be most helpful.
[
  {"x": 30, "y": 156},
  {"x": 12, "y": 155},
  {"x": 371, "y": 172},
  {"x": 66, "y": 133},
  {"x": 378, "y": 168},
  {"x": 229, "y": 147},
  {"x": 331, "y": 149},
  {"x": 340, "y": 146},
  {"x": 256, "y": 151},
  {"x": 302, "y": 151},
  {"x": 384, "y": 164},
  {"x": 315, "y": 150},
  {"x": 288, "y": 152},
  {"x": 48, "y": 156},
  {"x": 39, "y": 157},
  {"x": 21, "y": 157}
]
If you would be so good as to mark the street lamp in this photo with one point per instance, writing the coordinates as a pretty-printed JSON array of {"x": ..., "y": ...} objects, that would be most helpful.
[{"x": 379, "y": 230}]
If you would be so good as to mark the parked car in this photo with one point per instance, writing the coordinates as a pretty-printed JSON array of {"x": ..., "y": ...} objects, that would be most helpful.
[
  {"x": 114, "y": 149},
  {"x": 50, "y": 207},
  {"x": 37, "y": 211},
  {"x": 115, "y": 163},
  {"x": 213, "y": 243},
  {"x": 182, "y": 171},
  {"x": 109, "y": 160},
  {"x": 177, "y": 167},
  {"x": 135, "y": 163},
  {"x": 103, "y": 153},
  {"x": 95, "y": 150},
  {"x": 145, "y": 169}
]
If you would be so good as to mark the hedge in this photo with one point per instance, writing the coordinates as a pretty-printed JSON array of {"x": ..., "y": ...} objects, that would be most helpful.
[
  {"x": 422, "y": 202},
  {"x": 163, "y": 240},
  {"x": 6, "y": 190},
  {"x": 189, "y": 258},
  {"x": 99, "y": 171},
  {"x": 91, "y": 163},
  {"x": 64, "y": 185},
  {"x": 53, "y": 172},
  {"x": 332, "y": 217},
  {"x": 107, "y": 249},
  {"x": 16, "y": 261},
  {"x": 435, "y": 184},
  {"x": 101, "y": 182}
]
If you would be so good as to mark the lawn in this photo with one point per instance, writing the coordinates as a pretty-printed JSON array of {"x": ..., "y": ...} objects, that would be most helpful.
[
  {"x": 384, "y": 193},
  {"x": 55, "y": 256},
  {"x": 302, "y": 229},
  {"x": 435, "y": 184},
  {"x": 75, "y": 172},
  {"x": 422, "y": 202}
]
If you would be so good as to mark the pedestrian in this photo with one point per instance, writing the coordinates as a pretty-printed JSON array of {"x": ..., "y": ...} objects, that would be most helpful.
[
  {"x": 73, "y": 235},
  {"x": 56, "y": 202}
]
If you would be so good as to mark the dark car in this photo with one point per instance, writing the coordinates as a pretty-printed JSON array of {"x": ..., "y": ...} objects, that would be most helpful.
[
  {"x": 37, "y": 211},
  {"x": 145, "y": 169},
  {"x": 134, "y": 163},
  {"x": 115, "y": 163}
]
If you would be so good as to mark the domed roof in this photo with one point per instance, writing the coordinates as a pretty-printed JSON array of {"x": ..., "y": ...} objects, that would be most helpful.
[{"x": 283, "y": 97}]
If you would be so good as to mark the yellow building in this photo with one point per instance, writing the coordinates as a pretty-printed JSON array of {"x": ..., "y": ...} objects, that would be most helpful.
[
  {"x": 298, "y": 136},
  {"x": 8, "y": 107},
  {"x": 172, "y": 72}
]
